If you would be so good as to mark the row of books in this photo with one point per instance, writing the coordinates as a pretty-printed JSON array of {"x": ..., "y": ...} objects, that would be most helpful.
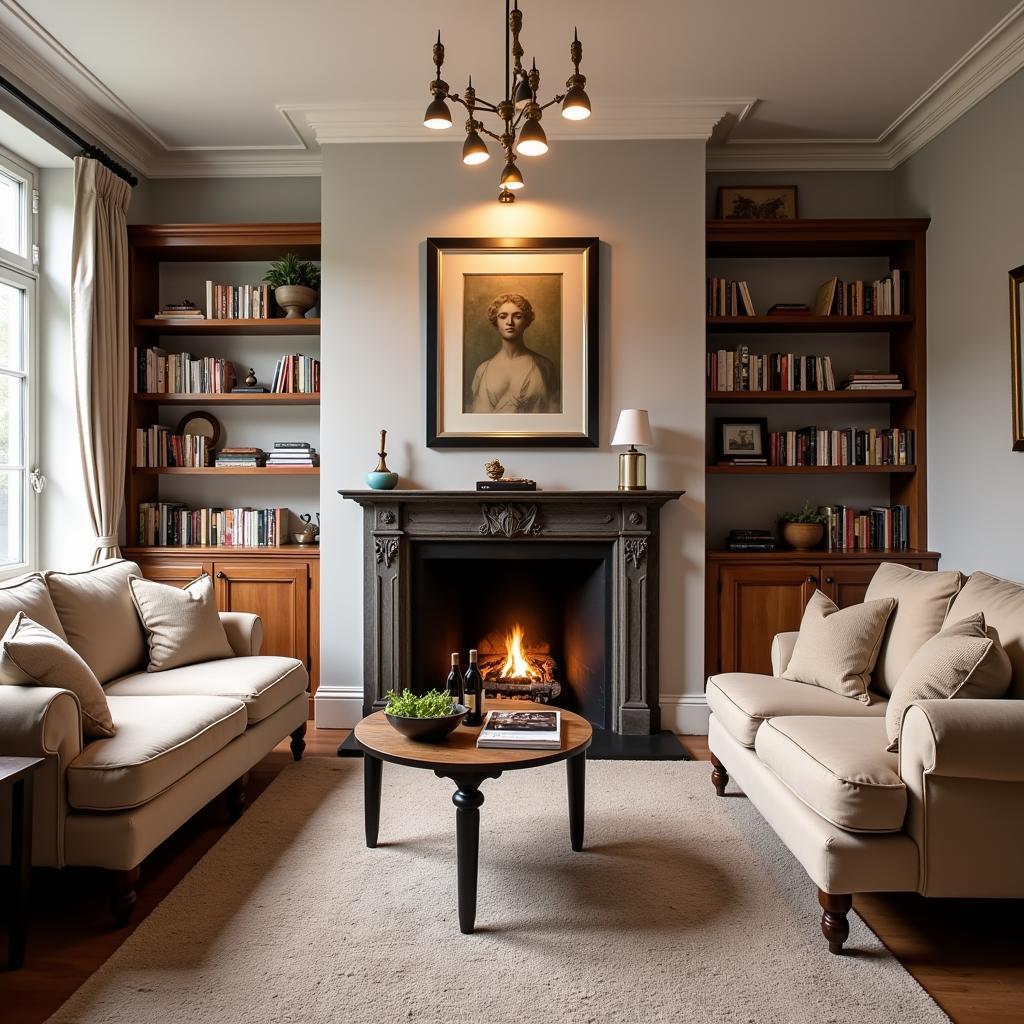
[
  {"x": 296, "y": 374},
  {"x": 740, "y": 370},
  {"x": 238, "y": 301},
  {"x": 158, "y": 446},
  {"x": 728, "y": 298},
  {"x": 815, "y": 446},
  {"x": 888, "y": 296},
  {"x": 172, "y": 524},
  {"x": 751, "y": 540},
  {"x": 879, "y": 528},
  {"x": 160, "y": 373}
]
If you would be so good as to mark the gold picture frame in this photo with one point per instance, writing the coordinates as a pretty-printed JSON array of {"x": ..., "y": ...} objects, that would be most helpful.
[{"x": 1017, "y": 358}]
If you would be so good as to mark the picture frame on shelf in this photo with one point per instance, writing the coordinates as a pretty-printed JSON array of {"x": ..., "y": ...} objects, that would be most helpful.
[
  {"x": 512, "y": 342},
  {"x": 1017, "y": 358},
  {"x": 757, "y": 202},
  {"x": 740, "y": 438}
]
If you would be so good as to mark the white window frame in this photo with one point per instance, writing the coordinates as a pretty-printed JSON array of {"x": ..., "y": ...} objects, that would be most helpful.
[{"x": 21, "y": 271}]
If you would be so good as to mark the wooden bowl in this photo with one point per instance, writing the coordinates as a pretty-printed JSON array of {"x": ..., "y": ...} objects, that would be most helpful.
[
  {"x": 802, "y": 536},
  {"x": 428, "y": 730}
]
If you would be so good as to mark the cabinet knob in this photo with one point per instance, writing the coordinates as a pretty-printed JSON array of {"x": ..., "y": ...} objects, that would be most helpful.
[
  {"x": 221, "y": 576},
  {"x": 812, "y": 579},
  {"x": 828, "y": 579}
]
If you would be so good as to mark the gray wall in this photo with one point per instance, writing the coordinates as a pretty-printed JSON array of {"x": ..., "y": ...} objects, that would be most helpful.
[
  {"x": 225, "y": 200},
  {"x": 967, "y": 181},
  {"x": 645, "y": 201}
]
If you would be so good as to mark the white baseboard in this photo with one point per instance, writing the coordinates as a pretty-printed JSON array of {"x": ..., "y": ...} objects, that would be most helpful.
[
  {"x": 337, "y": 707},
  {"x": 685, "y": 714}
]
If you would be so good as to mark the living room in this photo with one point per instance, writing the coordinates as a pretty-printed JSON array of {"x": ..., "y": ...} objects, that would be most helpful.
[{"x": 647, "y": 407}]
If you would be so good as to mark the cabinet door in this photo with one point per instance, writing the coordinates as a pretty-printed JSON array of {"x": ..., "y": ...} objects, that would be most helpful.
[
  {"x": 758, "y": 601},
  {"x": 847, "y": 584},
  {"x": 178, "y": 572},
  {"x": 276, "y": 591}
]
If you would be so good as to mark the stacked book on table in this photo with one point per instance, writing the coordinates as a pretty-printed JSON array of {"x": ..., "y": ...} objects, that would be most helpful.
[
  {"x": 240, "y": 458},
  {"x": 750, "y": 540},
  {"x": 860, "y": 381},
  {"x": 293, "y": 453},
  {"x": 522, "y": 730}
]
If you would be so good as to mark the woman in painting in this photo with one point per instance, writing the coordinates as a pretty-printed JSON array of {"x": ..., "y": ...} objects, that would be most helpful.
[{"x": 515, "y": 379}]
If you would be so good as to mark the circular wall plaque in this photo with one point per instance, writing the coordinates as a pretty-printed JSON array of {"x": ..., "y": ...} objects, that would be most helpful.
[{"x": 201, "y": 424}]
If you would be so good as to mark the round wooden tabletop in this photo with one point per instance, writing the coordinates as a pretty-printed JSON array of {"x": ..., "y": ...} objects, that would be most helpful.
[{"x": 377, "y": 737}]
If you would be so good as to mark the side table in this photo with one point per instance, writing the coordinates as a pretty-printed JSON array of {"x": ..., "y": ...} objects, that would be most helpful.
[{"x": 19, "y": 774}]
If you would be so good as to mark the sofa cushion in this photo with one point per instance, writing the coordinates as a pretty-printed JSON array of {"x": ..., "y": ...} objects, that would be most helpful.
[
  {"x": 182, "y": 625},
  {"x": 838, "y": 767},
  {"x": 159, "y": 741},
  {"x": 30, "y": 655},
  {"x": 964, "y": 660},
  {"x": 1002, "y": 601},
  {"x": 837, "y": 647},
  {"x": 28, "y": 594},
  {"x": 741, "y": 701},
  {"x": 922, "y": 601},
  {"x": 95, "y": 608},
  {"x": 263, "y": 684}
]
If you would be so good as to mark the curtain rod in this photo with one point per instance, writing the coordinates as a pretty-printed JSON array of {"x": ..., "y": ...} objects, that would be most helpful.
[{"x": 88, "y": 150}]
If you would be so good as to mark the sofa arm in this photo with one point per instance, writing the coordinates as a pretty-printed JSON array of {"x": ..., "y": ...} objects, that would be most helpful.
[
  {"x": 245, "y": 632},
  {"x": 782, "y": 651},
  {"x": 40, "y": 721}
]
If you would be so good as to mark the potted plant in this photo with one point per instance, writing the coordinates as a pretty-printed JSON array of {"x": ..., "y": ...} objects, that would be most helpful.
[
  {"x": 296, "y": 284},
  {"x": 803, "y": 530},
  {"x": 426, "y": 719}
]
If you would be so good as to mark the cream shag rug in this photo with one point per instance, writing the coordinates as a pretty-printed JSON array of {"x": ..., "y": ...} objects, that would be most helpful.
[{"x": 683, "y": 908}]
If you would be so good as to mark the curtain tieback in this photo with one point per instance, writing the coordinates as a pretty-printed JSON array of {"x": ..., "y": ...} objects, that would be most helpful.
[{"x": 106, "y": 542}]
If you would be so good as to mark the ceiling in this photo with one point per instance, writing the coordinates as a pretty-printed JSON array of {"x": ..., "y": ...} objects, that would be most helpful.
[{"x": 224, "y": 87}]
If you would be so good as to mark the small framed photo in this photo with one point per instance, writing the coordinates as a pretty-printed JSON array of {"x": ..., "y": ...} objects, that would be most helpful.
[
  {"x": 740, "y": 438},
  {"x": 757, "y": 202}
]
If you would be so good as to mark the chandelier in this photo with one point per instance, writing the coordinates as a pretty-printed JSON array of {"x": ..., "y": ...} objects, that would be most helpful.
[{"x": 520, "y": 112}]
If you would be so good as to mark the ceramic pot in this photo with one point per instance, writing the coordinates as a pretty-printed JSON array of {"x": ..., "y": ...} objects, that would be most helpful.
[
  {"x": 295, "y": 299},
  {"x": 382, "y": 481},
  {"x": 802, "y": 536}
]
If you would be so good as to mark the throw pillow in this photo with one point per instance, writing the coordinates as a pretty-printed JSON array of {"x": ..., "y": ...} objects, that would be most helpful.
[
  {"x": 32, "y": 654},
  {"x": 836, "y": 648},
  {"x": 183, "y": 624},
  {"x": 965, "y": 659},
  {"x": 28, "y": 594}
]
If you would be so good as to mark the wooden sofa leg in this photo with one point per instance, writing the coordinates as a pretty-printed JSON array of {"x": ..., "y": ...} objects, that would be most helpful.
[
  {"x": 719, "y": 776},
  {"x": 236, "y": 797},
  {"x": 834, "y": 925},
  {"x": 122, "y": 895},
  {"x": 298, "y": 742}
]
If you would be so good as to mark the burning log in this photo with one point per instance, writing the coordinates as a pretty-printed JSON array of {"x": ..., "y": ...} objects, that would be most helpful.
[{"x": 512, "y": 668}]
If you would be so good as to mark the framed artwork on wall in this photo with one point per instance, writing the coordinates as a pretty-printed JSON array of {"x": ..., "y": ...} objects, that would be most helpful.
[
  {"x": 1017, "y": 358},
  {"x": 512, "y": 342},
  {"x": 757, "y": 202}
]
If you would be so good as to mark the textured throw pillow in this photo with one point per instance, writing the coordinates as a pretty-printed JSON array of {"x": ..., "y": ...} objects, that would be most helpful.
[
  {"x": 836, "y": 648},
  {"x": 964, "y": 660},
  {"x": 32, "y": 654},
  {"x": 183, "y": 625}
]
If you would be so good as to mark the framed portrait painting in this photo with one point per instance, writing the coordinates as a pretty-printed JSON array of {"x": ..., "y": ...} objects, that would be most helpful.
[
  {"x": 1017, "y": 357},
  {"x": 512, "y": 342}
]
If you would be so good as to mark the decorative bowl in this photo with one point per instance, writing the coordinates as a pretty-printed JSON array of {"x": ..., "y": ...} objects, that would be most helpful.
[
  {"x": 295, "y": 299},
  {"x": 382, "y": 481},
  {"x": 428, "y": 730},
  {"x": 802, "y": 536},
  {"x": 305, "y": 539}
]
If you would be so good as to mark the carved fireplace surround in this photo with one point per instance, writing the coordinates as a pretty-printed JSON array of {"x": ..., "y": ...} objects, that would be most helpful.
[{"x": 627, "y": 521}]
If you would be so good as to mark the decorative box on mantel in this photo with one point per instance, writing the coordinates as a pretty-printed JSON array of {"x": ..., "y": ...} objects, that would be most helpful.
[{"x": 577, "y": 569}]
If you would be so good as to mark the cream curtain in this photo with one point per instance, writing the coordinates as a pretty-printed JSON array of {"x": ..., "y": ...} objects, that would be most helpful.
[{"x": 99, "y": 334}]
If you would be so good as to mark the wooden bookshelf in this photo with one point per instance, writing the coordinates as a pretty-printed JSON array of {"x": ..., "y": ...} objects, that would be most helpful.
[
  {"x": 228, "y": 470},
  {"x": 275, "y": 327},
  {"x": 752, "y": 595},
  {"x": 216, "y": 398}
]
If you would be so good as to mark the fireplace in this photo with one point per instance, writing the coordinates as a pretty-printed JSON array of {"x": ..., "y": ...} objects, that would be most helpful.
[{"x": 576, "y": 571}]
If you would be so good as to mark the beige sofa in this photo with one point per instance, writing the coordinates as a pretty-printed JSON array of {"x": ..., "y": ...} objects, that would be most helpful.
[
  {"x": 943, "y": 817},
  {"x": 183, "y": 735}
]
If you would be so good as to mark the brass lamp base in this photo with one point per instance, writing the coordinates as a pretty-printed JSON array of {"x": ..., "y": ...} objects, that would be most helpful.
[{"x": 632, "y": 470}]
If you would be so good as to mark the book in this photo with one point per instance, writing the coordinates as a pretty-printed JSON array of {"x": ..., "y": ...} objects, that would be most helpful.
[
  {"x": 523, "y": 730},
  {"x": 292, "y": 444},
  {"x": 789, "y": 309},
  {"x": 824, "y": 301},
  {"x": 506, "y": 485}
]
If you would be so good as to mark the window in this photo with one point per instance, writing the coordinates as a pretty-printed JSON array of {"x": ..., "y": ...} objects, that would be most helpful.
[{"x": 17, "y": 333}]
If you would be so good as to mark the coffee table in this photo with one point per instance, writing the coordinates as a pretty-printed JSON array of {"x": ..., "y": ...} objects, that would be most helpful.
[
  {"x": 459, "y": 759},
  {"x": 19, "y": 774}
]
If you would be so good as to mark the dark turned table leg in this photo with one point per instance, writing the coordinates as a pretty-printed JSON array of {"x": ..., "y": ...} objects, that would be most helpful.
[
  {"x": 372, "y": 771},
  {"x": 21, "y": 866},
  {"x": 576, "y": 775}
]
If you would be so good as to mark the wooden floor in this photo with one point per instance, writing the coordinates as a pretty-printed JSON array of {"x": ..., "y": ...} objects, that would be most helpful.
[{"x": 968, "y": 954}]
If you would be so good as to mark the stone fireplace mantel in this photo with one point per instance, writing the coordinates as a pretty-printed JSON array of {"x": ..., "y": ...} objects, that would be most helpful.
[{"x": 628, "y": 521}]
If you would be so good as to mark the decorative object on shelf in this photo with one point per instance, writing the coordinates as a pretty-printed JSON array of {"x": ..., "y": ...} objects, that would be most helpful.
[
  {"x": 296, "y": 284},
  {"x": 499, "y": 482},
  {"x": 633, "y": 428},
  {"x": 757, "y": 202},
  {"x": 309, "y": 534},
  {"x": 494, "y": 469},
  {"x": 1017, "y": 358},
  {"x": 201, "y": 424},
  {"x": 512, "y": 342},
  {"x": 427, "y": 719},
  {"x": 803, "y": 530},
  {"x": 382, "y": 479},
  {"x": 250, "y": 386},
  {"x": 520, "y": 112},
  {"x": 741, "y": 440}
]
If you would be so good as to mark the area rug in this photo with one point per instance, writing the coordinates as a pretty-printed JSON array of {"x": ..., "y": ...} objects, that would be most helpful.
[{"x": 682, "y": 908}]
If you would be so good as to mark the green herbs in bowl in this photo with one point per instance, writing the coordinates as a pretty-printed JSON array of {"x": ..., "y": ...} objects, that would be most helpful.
[{"x": 426, "y": 719}]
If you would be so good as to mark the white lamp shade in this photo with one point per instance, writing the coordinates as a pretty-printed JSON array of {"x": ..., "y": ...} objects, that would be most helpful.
[{"x": 634, "y": 427}]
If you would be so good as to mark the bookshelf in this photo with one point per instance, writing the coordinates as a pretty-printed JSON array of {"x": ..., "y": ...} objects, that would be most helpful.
[
  {"x": 753, "y": 595},
  {"x": 169, "y": 262}
]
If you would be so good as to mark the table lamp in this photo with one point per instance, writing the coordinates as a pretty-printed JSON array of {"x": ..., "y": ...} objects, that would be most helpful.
[{"x": 633, "y": 428}]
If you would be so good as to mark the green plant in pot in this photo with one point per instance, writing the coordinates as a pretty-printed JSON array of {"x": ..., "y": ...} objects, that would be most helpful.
[
  {"x": 803, "y": 530},
  {"x": 296, "y": 284}
]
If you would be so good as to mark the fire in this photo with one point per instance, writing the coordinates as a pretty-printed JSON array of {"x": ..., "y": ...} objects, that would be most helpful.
[{"x": 516, "y": 665}]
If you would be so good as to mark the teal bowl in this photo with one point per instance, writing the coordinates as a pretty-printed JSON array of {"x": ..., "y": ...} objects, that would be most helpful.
[{"x": 382, "y": 481}]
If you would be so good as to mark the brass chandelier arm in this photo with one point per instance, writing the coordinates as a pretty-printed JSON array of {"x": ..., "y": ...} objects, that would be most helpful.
[{"x": 477, "y": 103}]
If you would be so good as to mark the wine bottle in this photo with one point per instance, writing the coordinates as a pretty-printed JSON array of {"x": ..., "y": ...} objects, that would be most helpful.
[
  {"x": 455, "y": 685},
  {"x": 474, "y": 684}
]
